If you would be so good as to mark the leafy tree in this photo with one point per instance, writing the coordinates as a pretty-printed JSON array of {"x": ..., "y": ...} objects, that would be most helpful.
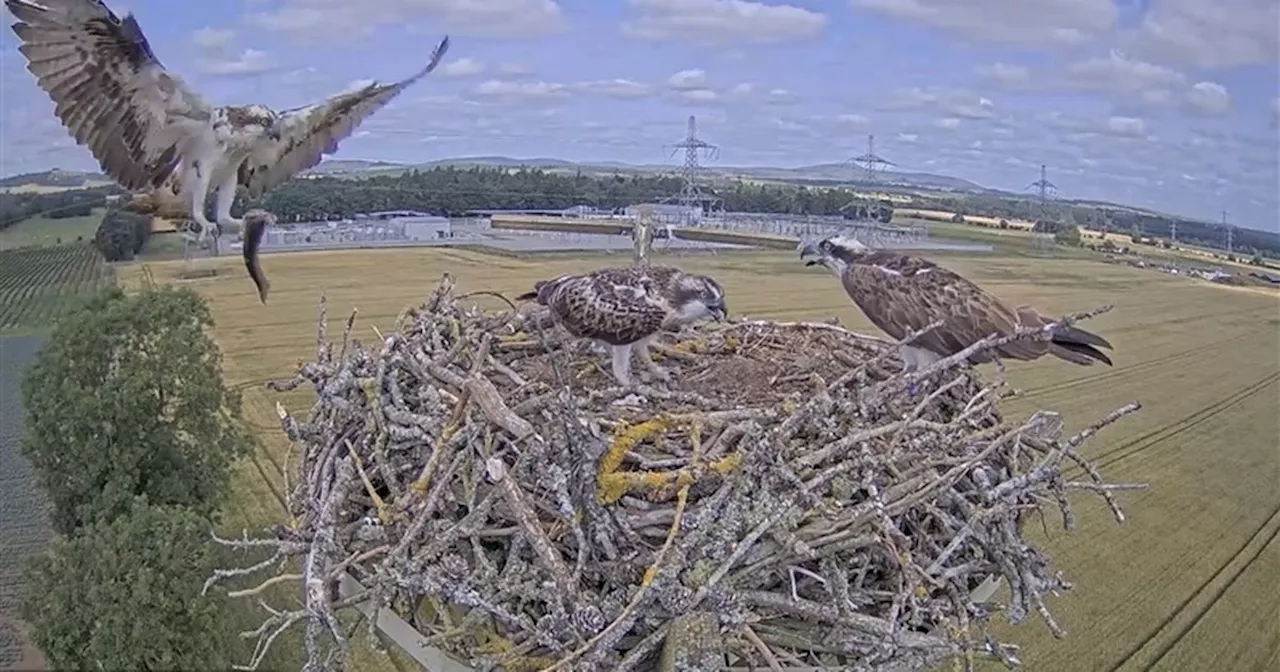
[
  {"x": 1068, "y": 235},
  {"x": 121, "y": 235},
  {"x": 124, "y": 594},
  {"x": 125, "y": 399}
]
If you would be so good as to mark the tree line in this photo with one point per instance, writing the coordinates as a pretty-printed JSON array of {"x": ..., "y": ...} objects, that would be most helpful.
[
  {"x": 132, "y": 433},
  {"x": 15, "y": 207},
  {"x": 452, "y": 191}
]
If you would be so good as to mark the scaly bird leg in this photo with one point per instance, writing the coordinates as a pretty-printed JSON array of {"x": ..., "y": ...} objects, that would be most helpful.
[
  {"x": 646, "y": 357},
  {"x": 222, "y": 206},
  {"x": 909, "y": 366},
  {"x": 622, "y": 364},
  {"x": 196, "y": 195}
]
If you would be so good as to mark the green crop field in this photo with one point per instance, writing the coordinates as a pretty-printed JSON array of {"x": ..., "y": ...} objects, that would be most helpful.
[
  {"x": 38, "y": 283},
  {"x": 1187, "y": 582},
  {"x": 47, "y": 231}
]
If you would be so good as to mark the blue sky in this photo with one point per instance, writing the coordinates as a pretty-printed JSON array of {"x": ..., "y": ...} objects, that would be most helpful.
[{"x": 1169, "y": 104}]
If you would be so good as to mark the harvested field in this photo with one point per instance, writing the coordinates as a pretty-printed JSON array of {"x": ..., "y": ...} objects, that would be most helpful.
[{"x": 1180, "y": 584}]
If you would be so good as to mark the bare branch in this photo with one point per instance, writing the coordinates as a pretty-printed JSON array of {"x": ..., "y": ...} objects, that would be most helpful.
[{"x": 484, "y": 476}]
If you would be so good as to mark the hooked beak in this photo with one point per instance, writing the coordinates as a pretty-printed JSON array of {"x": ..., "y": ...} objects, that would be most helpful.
[
  {"x": 273, "y": 131},
  {"x": 811, "y": 250},
  {"x": 718, "y": 313}
]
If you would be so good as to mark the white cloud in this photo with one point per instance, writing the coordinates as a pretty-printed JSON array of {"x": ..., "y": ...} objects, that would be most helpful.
[
  {"x": 1019, "y": 22},
  {"x": 1120, "y": 74},
  {"x": 700, "y": 96},
  {"x": 1009, "y": 75},
  {"x": 1208, "y": 98},
  {"x": 494, "y": 88},
  {"x": 852, "y": 119},
  {"x": 949, "y": 123},
  {"x": 212, "y": 38},
  {"x": 326, "y": 20},
  {"x": 721, "y": 22},
  {"x": 616, "y": 88},
  {"x": 781, "y": 97},
  {"x": 247, "y": 62},
  {"x": 688, "y": 80},
  {"x": 1127, "y": 126},
  {"x": 1211, "y": 34},
  {"x": 952, "y": 102},
  {"x": 514, "y": 69},
  {"x": 462, "y": 67}
]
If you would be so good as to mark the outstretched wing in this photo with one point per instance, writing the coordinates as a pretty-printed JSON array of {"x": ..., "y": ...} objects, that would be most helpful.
[
  {"x": 308, "y": 133},
  {"x": 617, "y": 306},
  {"x": 901, "y": 294},
  {"x": 110, "y": 90}
]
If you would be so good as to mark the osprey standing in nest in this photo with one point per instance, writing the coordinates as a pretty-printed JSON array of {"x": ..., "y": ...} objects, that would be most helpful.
[
  {"x": 900, "y": 294},
  {"x": 150, "y": 132},
  {"x": 626, "y": 307}
]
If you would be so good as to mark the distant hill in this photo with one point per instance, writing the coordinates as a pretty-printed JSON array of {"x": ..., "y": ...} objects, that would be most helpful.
[
  {"x": 831, "y": 173},
  {"x": 52, "y": 180}
]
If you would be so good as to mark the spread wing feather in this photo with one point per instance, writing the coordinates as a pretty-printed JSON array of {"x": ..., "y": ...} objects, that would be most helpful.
[
  {"x": 901, "y": 294},
  {"x": 616, "y": 305},
  {"x": 109, "y": 90},
  {"x": 308, "y": 133}
]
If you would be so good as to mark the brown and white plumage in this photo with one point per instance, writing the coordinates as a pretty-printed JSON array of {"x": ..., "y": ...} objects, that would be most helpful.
[
  {"x": 152, "y": 133},
  {"x": 625, "y": 307},
  {"x": 900, "y": 294}
]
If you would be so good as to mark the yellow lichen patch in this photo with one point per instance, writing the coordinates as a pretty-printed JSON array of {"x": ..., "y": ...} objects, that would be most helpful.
[
  {"x": 660, "y": 485},
  {"x": 627, "y": 437},
  {"x": 690, "y": 347},
  {"x": 732, "y": 343},
  {"x": 529, "y": 663}
]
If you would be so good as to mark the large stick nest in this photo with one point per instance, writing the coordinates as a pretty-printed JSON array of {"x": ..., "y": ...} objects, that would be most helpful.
[{"x": 482, "y": 474}]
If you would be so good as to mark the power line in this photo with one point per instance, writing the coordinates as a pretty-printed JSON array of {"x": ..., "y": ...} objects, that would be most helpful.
[
  {"x": 1043, "y": 240},
  {"x": 1047, "y": 191},
  {"x": 1230, "y": 232},
  {"x": 872, "y": 164},
  {"x": 691, "y": 195}
]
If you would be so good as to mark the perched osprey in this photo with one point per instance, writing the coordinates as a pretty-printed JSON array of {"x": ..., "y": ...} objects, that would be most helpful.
[
  {"x": 626, "y": 307},
  {"x": 901, "y": 293},
  {"x": 151, "y": 132}
]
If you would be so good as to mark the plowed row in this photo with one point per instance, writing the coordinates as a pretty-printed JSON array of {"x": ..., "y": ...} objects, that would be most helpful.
[{"x": 38, "y": 283}]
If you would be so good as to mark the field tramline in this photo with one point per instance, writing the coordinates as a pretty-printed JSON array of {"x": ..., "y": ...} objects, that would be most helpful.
[{"x": 38, "y": 283}]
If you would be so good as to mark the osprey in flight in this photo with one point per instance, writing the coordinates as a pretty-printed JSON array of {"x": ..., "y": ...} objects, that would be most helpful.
[
  {"x": 625, "y": 308},
  {"x": 900, "y": 294},
  {"x": 151, "y": 132}
]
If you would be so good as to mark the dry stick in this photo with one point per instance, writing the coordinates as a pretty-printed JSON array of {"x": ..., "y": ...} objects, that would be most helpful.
[
  {"x": 528, "y": 521},
  {"x": 762, "y": 648},
  {"x": 650, "y": 574},
  {"x": 446, "y": 347}
]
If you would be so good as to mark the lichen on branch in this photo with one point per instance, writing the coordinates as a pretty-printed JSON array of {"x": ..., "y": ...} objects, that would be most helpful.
[{"x": 478, "y": 474}]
